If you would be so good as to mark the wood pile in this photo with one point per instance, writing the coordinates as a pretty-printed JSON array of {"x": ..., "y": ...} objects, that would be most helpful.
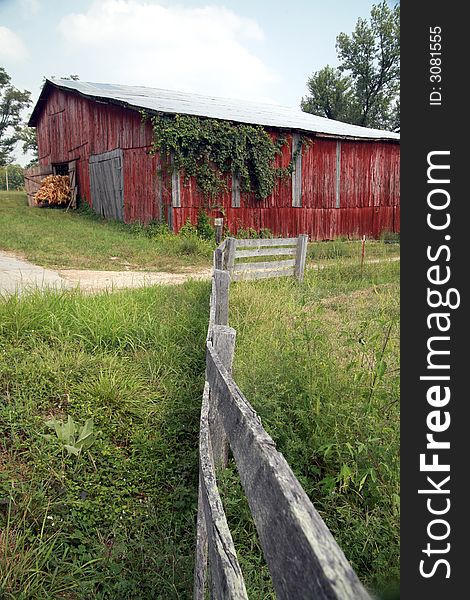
[{"x": 54, "y": 191}]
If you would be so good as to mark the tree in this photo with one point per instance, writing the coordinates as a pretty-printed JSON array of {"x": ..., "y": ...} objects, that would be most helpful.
[
  {"x": 12, "y": 104},
  {"x": 369, "y": 59},
  {"x": 27, "y": 135},
  {"x": 15, "y": 176},
  {"x": 330, "y": 95}
]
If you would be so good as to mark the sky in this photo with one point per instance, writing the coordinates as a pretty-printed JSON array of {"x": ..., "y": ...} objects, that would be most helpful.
[{"x": 255, "y": 50}]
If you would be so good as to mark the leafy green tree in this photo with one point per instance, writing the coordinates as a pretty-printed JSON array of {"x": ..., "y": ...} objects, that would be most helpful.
[
  {"x": 15, "y": 177},
  {"x": 330, "y": 95},
  {"x": 27, "y": 135},
  {"x": 12, "y": 104},
  {"x": 368, "y": 74}
]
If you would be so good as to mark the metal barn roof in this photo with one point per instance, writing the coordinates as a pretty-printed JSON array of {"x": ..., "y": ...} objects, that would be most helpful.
[{"x": 167, "y": 101}]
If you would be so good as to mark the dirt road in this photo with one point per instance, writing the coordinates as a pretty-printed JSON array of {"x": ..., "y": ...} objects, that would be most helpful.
[{"x": 19, "y": 276}]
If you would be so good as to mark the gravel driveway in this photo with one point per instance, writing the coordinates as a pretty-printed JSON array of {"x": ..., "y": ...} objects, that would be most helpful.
[{"x": 19, "y": 276}]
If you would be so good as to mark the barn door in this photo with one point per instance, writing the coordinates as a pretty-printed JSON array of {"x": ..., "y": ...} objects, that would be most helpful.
[
  {"x": 107, "y": 185},
  {"x": 73, "y": 183}
]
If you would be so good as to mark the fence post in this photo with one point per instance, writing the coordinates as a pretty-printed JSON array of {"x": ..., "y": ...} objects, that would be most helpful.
[
  {"x": 219, "y": 227},
  {"x": 229, "y": 257},
  {"x": 200, "y": 566},
  {"x": 300, "y": 256},
  {"x": 218, "y": 259},
  {"x": 223, "y": 340},
  {"x": 222, "y": 283}
]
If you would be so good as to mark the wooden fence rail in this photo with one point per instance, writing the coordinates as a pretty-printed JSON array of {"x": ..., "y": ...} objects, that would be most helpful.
[
  {"x": 233, "y": 250},
  {"x": 303, "y": 557}
]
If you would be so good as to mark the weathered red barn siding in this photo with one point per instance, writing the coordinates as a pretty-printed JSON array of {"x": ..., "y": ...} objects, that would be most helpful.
[
  {"x": 369, "y": 194},
  {"x": 72, "y": 127}
]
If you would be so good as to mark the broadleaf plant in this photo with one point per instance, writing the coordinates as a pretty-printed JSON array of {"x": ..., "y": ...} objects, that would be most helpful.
[{"x": 74, "y": 437}]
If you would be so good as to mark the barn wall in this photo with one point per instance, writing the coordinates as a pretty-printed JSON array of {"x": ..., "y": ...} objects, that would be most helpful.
[
  {"x": 73, "y": 128},
  {"x": 369, "y": 194}
]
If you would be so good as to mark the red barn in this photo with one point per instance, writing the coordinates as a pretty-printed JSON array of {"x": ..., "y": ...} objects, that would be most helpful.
[{"x": 345, "y": 181}]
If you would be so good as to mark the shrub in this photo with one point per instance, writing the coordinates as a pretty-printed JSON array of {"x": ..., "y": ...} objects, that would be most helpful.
[{"x": 204, "y": 228}]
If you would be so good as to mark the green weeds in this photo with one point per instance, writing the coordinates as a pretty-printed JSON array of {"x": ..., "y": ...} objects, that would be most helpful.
[
  {"x": 319, "y": 362},
  {"x": 325, "y": 382},
  {"x": 116, "y": 521},
  {"x": 81, "y": 239}
]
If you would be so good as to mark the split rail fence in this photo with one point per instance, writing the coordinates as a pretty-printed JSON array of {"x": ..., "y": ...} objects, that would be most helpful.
[{"x": 303, "y": 557}]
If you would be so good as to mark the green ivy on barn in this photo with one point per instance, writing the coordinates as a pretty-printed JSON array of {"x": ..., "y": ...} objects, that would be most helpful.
[{"x": 209, "y": 149}]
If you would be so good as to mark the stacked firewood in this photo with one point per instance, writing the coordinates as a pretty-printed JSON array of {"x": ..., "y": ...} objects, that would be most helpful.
[{"x": 54, "y": 190}]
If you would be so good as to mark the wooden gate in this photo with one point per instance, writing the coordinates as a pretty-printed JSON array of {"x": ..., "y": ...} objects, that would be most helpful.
[{"x": 107, "y": 184}]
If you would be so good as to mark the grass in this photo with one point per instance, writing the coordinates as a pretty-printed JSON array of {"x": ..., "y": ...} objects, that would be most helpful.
[
  {"x": 319, "y": 362},
  {"x": 54, "y": 238},
  {"x": 118, "y": 520},
  {"x": 386, "y": 248},
  {"x": 80, "y": 240}
]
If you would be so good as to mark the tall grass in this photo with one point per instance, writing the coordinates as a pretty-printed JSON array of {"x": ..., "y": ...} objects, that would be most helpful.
[
  {"x": 320, "y": 364},
  {"x": 117, "y": 521},
  {"x": 328, "y": 251},
  {"x": 319, "y": 361},
  {"x": 53, "y": 237}
]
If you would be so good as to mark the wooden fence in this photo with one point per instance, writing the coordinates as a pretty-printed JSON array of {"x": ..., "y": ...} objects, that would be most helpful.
[
  {"x": 303, "y": 558},
  {"x": 227, "y": 255}
]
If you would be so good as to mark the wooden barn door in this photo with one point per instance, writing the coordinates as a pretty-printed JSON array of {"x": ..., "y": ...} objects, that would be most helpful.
[
  {"x": 107, "y": 184},
  {"x": 73, "y": 183}
]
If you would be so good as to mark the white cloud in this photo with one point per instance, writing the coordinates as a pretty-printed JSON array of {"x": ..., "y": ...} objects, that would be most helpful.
[
  {"x": 191, "y": 49},
  {"x": 11, "y": 46}
]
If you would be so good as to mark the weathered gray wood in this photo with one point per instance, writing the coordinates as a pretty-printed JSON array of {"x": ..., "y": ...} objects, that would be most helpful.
[
  {"x": 200, "y": 561},
  {"x": 297, "y": 171},
  {"x": 263, "y": 266},
  {"x": 304, "y": 559},
  {"x": 338, "y": 172},
  {"x": 211, "y": 310},
  {"x": 104, "y": 156},
  {"x": 229, "y": 253},
  {"x": 266, "y": 242},
  {"x": 235, "y": 191},
  {"x": 223, "y": 341},
  {"x": 227, "y": 578},
  {"x": 175, "y": 188},
  {"x": 107, "y": 184},
  {"x": 222, "y": 283},
  {"x": 253, "y": 252},
  {"x": 301, "y": 256},
  {"x": 219, "y": 228},
  {"x": 248, "y": 275},
  {"x": 218, "y": 259},
  {"x": 73, "y": 184}
]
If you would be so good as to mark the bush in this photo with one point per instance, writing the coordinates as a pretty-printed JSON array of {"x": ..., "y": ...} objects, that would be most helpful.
[
  {"x": 204, "y": 228},
  {"x": 249, "y": 233},
  {"x": 157, "y": 228},
  {"x": 188, "y": 229}
]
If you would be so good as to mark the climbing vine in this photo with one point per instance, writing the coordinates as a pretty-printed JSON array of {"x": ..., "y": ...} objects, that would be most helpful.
[{"x": 209, "y": 149}]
